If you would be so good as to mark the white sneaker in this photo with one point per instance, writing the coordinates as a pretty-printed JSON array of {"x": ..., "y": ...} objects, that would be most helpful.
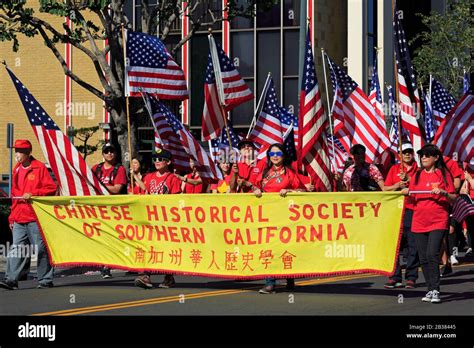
[
  {"x": 428, "y": 296},
  {"x": 468, "y": 251},
  {"x": 454, "y": 260},
  {"x": 435, "y": 297}
]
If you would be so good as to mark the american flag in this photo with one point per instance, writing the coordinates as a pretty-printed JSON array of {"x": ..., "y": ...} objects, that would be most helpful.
[
  {"x": 393, "y": 135},
  {"x": 340, "y": 154},
  {"x": 462, "y": 208},
  {"x": 441, "y": 102},
  {"x": 312, "y": 148},
  {"x": 429, "y": 122},
  {"x": 465, "y": 83},
  {"x": 74, "y": 177},
  {"x": 165, "y": 136},
  {"x": 234, "y": 91},
  {"x": 273, "y": 121},
  {"x": 375, "y": 96},
  {"x": 151, "y": 69},
  {"x": 455, "y": 134},
  {"x": 221, "y": 146},
  {"x": 355, "y": 120},
  {"x": 204, "y": 164},
  {"x": 406, "y": 83}
]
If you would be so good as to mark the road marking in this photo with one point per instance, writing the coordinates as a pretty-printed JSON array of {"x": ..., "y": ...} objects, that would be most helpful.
[{"x": 175, "y": 298}]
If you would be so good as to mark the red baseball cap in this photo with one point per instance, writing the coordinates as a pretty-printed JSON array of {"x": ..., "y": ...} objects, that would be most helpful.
[{"x": 23, "y": 144}]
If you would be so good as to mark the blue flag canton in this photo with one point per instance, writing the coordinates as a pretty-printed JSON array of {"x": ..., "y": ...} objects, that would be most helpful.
[
  {"x": 429, "y": 124},
  {"x": 34, "y": 111},
  {"x": 146, "y": 51},
  {"x": 271, "y": 105},
  {"x": 405, "y": 67},
  {"x": 441, "y": 100},
  {"x": 158, "y": 107},
  {"x": 342, "y": 80},
  {"x": 465, "y": 83},
  {"x": 393, "y": 110},
  {"x": 225, "y": 63},
  {"x": 309, "y": 80},
  {"x": 224, "y": 140},
  {"x": 374, "y": 83}
]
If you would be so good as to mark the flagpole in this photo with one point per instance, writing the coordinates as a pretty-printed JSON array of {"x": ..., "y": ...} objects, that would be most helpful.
[
  {"x": 329, "y": 109},
  {"x": 220, "y": 88},
  {"x": 264, "y": 93},
  {"x": 128, "y": 109},
  {"x": 397, "y": 101}
]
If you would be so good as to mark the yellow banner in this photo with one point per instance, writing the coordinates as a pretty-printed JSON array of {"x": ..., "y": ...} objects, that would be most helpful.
[{"x": 234, "y": 236}]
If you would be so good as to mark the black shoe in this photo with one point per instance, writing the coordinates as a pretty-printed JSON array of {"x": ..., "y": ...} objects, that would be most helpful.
[
  {"x": 106, "y": 273},
  {"x": 45, "y": 286},
  {"x": 8, "y": 285},
  {"x": 446, "y": 270},
  {"x": 269, "y": 289},
  {"x": 290, "y": 284}
]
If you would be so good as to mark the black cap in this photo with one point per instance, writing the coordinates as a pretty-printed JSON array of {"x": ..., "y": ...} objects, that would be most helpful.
[
  {"x": 162, "y": 153},
  {"x": 244, "y": 142},
  {"x": 108, "y": 146}
]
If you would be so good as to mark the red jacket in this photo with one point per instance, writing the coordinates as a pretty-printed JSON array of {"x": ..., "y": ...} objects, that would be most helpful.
[{"x": 38, "y": 182}]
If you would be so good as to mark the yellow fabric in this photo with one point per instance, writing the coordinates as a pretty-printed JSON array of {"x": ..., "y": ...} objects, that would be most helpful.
[{"x": 235, "y": 235}]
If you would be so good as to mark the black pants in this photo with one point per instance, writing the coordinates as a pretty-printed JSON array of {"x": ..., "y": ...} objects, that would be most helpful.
[
  {"x": 408, "y": 241},
  {"x": 428, "y": 245}
]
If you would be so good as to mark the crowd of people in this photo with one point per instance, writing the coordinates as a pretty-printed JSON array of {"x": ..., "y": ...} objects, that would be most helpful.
[{"x": 427, "y": 232}]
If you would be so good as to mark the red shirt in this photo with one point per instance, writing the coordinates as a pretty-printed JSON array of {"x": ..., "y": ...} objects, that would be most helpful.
[
  {"x": 453, "y": 168},
  {"x": 250, "y": 173},
  {"x": 36, "y": 180},
  {"x": 431, "y": 211},
  {"x": 393, "y": 177},
  {"x": 165, "y": 184},
  {"x": 107, "y": 178},
  {"x": 276, "y": 180},
  {"x": 222, "y": 186},
  {"x": 189, "y": 188}
]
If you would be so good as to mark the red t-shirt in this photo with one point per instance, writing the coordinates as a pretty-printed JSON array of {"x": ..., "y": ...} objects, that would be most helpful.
[
  {"x": 165, "y": 184},
  {"x": 276, "y": 180},
  {"x": 453, "y": 168},
  {"x": 222, "y": 186},
  {"x": 107, "y": 178},
  {"x": 393, "y": 177},
  {"x": 250, "y": 173},
  {"x": 189, "y": 188},
  {"x": 431, "y": 211}
]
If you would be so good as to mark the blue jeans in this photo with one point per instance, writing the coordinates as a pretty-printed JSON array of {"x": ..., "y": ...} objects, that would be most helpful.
[
  {"x": 408, "y": 240},
  {"x": 26, "y": 240}
]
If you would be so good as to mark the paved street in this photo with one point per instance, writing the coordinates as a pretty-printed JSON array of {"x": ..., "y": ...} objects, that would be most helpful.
[{"x": 361, "y": 294}]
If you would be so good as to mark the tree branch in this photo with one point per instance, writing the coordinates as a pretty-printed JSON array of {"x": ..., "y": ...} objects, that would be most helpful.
[{"x": 67, "y": 71}]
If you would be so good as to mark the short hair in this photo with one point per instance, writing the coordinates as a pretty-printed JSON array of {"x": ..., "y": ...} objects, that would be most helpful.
[{"x": 357, "y": 148}]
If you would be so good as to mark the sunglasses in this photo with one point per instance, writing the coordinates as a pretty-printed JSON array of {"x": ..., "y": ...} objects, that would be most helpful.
[
  {"x": 408, "y": 152},
  {"x": 424, "y": 154},
  {"x": 105, "y": 152},
  {"x": 278, "y": 153},
  {"x": 159, "y": 159}
]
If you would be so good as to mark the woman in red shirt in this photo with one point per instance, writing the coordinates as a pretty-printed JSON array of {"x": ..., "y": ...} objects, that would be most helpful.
[
  {"x": 163, "y": 181},
  {"x": 137, "y": 177},
  {"x": 223, "y": 186},
  {"x": 192, "y": 182},
  {"x": 431, "y": 214},
  {"x": 277, "y": 177}
]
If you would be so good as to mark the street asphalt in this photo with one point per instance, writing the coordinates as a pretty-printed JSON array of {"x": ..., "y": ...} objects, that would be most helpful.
[{"x": 362, "y": 294}]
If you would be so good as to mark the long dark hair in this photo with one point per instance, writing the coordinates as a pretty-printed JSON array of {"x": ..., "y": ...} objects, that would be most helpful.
[
  {"x": 433, "y": 150},
  {"x": 286, "y": 159}
]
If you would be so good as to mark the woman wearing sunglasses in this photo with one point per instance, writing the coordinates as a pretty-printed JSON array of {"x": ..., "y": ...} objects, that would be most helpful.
[
  {"x": 278, "y": 176},
  {"x": 431, "y": 214},
  {"x": 160, "y": 182}
]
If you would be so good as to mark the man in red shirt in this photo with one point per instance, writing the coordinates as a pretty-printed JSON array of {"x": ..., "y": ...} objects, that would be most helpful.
[
  {"x": 114, "y": 177},
  {"x": 398, "y": 179},
  {"x": 30, "y": 178}
]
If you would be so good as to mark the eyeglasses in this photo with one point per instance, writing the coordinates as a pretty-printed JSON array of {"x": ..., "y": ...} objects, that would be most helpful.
[
  {"x": 278, "y": 153},
  {"x": 426, "y": 155},
  {"x": 159, "y": 159},
  {"x": 105, "y": 152}
]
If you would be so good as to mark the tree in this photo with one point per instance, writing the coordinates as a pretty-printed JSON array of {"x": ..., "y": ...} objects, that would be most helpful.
[
  {"x": 446, "y": 48},
  {"x": 17, "y": 18},
  {"x": 84, "y": 134}
]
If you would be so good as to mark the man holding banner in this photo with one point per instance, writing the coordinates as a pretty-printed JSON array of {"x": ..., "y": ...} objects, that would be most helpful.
[{"x": 30, "y": 178}]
